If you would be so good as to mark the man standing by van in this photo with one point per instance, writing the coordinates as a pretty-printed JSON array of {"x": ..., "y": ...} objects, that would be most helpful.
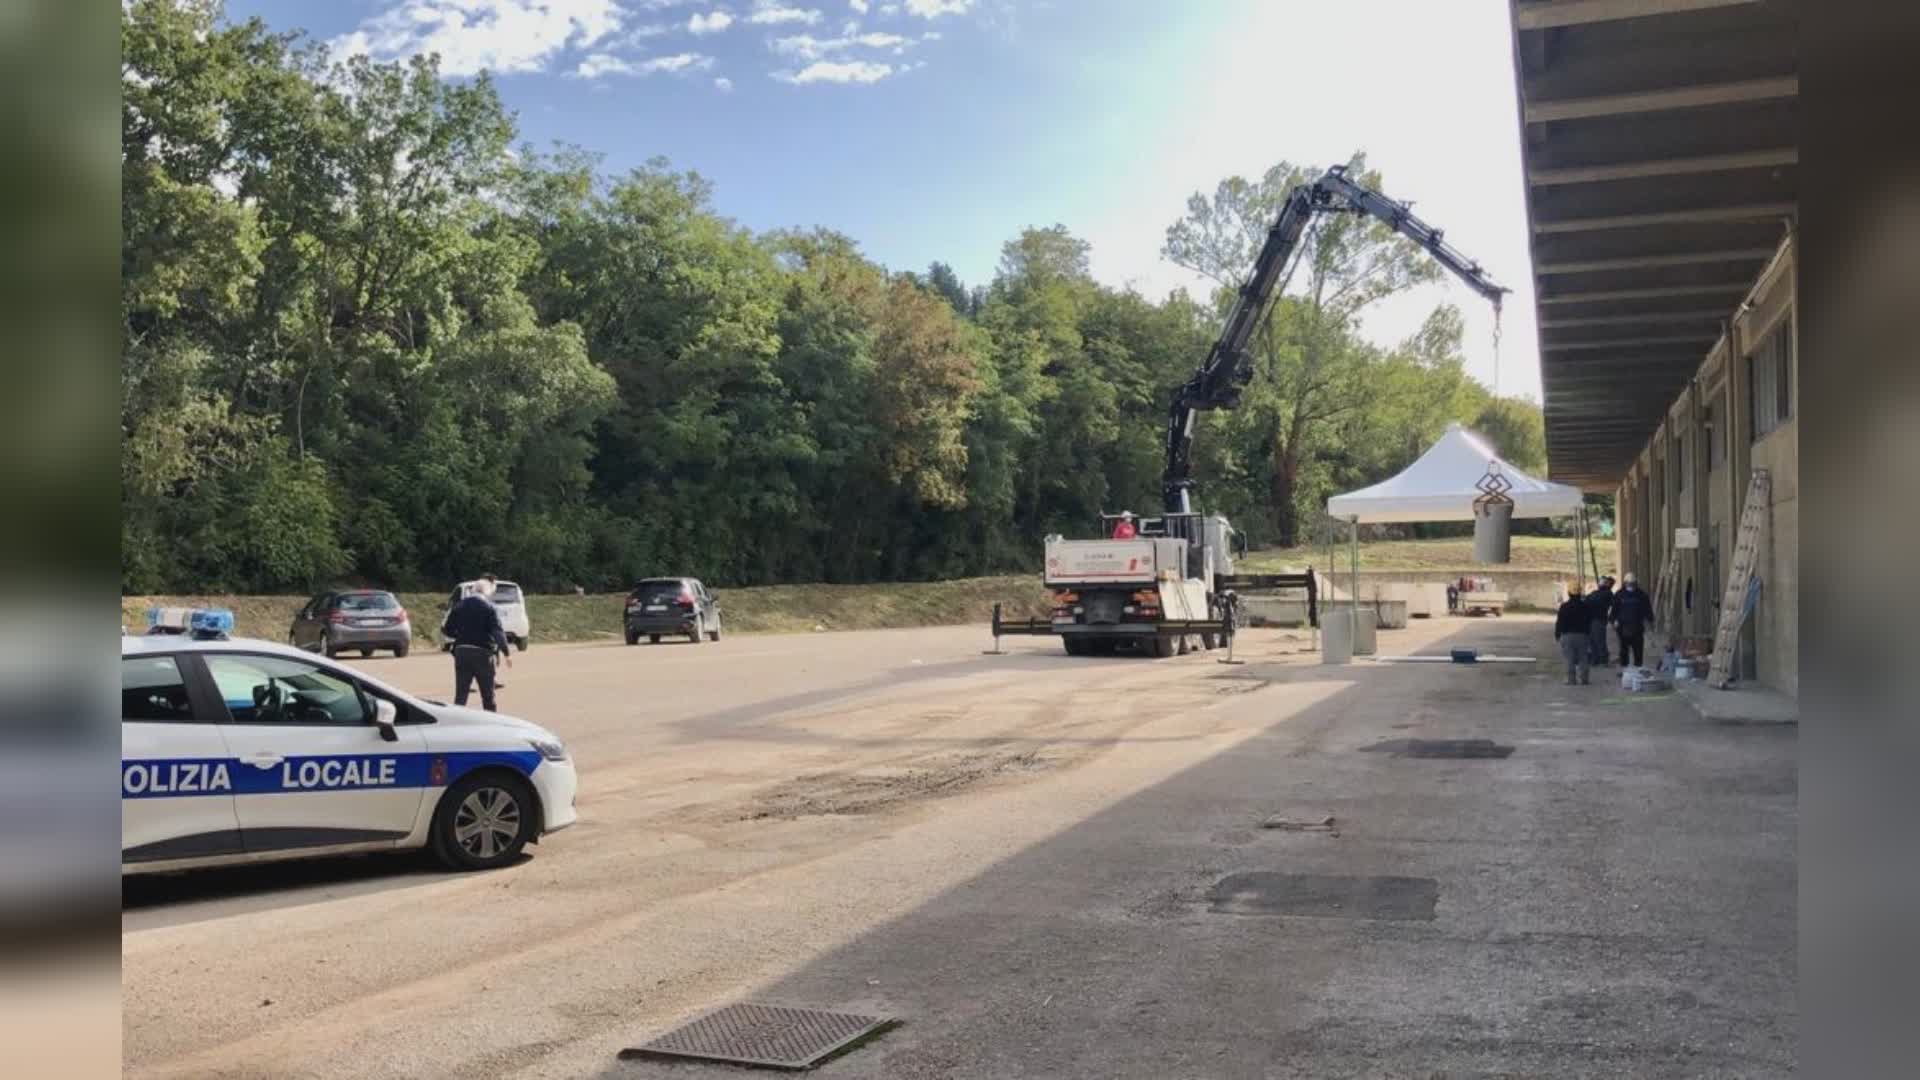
[{"x": 474, "y": 628}]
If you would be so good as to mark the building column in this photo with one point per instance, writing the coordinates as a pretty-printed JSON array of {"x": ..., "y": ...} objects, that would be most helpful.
[{"x": 1696, "y": 564}]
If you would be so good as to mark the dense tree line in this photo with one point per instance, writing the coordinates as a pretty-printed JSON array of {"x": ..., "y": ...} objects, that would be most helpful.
[{"x": 366, "y": 338}]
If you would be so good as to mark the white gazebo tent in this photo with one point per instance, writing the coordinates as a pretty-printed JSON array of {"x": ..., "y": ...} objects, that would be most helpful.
[{"x": 1441, "y": 485}]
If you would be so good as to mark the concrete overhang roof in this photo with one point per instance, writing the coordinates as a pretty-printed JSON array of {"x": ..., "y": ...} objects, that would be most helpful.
[{"x": 1660, "y": 140}]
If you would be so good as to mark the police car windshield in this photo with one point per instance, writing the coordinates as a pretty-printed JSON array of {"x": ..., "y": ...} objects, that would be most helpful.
[{"x": 368, "y": 601}]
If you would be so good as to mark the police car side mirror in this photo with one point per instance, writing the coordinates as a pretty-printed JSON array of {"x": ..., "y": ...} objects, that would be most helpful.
[{"x": 384, "y": 714}]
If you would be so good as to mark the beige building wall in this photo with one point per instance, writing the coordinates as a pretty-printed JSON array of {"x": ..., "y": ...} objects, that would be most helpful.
[{"x": 1695, "y": 471}]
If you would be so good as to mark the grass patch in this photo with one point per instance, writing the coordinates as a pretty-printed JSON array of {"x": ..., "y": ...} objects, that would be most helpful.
[
  {"x": 1529, "y": 553},
  {"x": 766, "y": 609}
]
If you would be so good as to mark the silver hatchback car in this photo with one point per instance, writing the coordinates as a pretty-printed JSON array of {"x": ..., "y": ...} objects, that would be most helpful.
[{"x": 354, "y": 619}]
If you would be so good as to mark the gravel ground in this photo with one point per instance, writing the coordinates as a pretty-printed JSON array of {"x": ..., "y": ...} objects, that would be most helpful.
[{"x": 1022, "y": 857}]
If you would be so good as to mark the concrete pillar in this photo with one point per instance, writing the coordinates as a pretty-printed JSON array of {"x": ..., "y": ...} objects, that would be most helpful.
[
  {"x": 1740, "y": 455},
  {"x": 1696, "y": 564},
  {"x": 1626, "y": 522}
]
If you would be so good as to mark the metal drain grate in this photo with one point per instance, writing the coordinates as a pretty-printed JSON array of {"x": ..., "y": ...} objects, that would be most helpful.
[
  {"x": 773, "y": 1036},
  {"x": 1441, "y": 748},
  {"x": 1264, "y": 892}
]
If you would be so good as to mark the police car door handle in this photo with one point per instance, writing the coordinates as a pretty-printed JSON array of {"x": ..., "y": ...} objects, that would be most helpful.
[{"x": 263, "y": 759}]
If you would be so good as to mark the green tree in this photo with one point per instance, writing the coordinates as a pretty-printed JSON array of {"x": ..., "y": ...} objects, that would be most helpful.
[
  {"x": 1517, "y": 429},
  {"x": 364, "y": 340}
]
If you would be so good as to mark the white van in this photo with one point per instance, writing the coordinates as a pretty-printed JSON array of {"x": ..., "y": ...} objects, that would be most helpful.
[{"x": 512, "y": 605}]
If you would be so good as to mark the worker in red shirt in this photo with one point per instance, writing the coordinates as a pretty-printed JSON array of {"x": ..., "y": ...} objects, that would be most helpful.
[{"x": 1124, "y": 530}]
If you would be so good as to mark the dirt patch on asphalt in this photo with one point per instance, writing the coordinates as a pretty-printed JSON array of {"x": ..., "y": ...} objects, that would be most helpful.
[{"x": 880, "y": 787}]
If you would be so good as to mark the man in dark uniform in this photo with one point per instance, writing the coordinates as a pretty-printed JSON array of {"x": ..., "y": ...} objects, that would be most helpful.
[
  {"x": 1632, "y": 614},
  {"x": 474, "y": 628},
  {"x": 1599, "y": 611},
  {"x": 1570, "y": 633}
]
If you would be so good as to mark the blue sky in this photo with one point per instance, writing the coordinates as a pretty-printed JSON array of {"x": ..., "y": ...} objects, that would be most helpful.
[{"x": 937, "y": 129}]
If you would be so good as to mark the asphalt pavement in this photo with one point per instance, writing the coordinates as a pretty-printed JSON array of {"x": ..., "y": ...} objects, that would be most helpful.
[{"x": 1042, "y": 866}]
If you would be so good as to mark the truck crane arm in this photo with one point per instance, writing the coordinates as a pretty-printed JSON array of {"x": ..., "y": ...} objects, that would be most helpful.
[{"x": 1225, "y": 372}]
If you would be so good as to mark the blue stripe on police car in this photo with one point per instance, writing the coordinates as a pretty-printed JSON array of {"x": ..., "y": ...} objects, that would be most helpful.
[{"x": 185, "y": 777}]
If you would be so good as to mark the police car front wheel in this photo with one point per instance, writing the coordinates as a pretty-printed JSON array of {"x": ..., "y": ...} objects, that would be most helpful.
[{"x": 484, "y": 821}]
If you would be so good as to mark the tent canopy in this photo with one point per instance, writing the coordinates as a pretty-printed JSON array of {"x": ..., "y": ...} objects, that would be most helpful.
[{"x": 1440, "y": 487}]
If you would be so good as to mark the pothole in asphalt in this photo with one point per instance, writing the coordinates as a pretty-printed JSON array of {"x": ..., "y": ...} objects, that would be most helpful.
[
  {"x": 1440, "y": 748},
  {"x": 1326, "y": 896}
]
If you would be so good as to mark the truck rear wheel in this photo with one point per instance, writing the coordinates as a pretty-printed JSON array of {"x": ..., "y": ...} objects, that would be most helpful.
[{"x": 1162, "y": 647}]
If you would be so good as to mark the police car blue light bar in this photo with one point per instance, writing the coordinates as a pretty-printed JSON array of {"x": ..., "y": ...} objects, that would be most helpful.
[
  {"x": 198, "y": 622},
  {"x": 210, "y": 622}
]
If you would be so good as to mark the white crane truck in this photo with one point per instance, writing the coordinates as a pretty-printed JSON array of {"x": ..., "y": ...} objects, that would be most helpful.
[{"x": 1174, "y": 580}]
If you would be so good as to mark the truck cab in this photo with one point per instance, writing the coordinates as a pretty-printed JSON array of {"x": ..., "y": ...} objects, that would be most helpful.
[{"x": 1150, "y": 591}]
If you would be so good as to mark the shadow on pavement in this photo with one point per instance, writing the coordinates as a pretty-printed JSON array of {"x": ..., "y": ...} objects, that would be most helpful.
[
  {"x": 227, "y": 890},
  {"x": 1617, "y": 897}
]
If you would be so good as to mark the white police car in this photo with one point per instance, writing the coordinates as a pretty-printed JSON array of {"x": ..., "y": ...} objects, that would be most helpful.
[{"x": 239, "y": 751}]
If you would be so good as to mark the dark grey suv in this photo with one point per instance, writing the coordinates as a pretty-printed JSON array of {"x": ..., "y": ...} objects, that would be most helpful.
[
  {"x": 663, "y": 607},
  {"x": 363, "y": 619}
]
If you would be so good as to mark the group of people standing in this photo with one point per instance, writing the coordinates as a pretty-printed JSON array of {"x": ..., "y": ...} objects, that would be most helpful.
[{"x": 1581, "y": 626}]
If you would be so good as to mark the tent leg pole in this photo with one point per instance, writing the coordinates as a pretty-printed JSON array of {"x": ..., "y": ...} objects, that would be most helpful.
[{"x": 1353, "y": 596}]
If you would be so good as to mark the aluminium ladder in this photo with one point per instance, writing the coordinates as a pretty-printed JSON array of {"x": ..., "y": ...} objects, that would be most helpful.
[
  {"x": 1664, "y": 589},
  {"x": 1733, "y": 605}
]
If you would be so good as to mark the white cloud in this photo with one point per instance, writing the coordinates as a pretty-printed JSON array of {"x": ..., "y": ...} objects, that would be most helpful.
[
  {"x": 602, "y": 64},
  {"x": 889, "y": 9},
  {"x": 933, "y": 9},
  {"x": 801, "y": 45},
  {"x": 723, "y": 84},
  {"x": 852, "y": 71},
  {"x": 674, "y": 64},
  {"x": 808, "y": 47},
  {"x": 931, "y": 35},
  {"x": 502, "y": 36},
  {"x": 859, "y": 6},
  {"x": 709, "y": 22},
  {"x": 599, "y": 64},
  {"x": 775, "y": 13}
]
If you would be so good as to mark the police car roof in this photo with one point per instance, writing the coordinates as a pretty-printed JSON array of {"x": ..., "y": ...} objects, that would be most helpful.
[{"x": 151, "y": 643}]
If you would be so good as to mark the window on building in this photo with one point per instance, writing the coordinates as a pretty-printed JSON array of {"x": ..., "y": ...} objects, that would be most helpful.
[{"x": 1770, "y": 379}]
